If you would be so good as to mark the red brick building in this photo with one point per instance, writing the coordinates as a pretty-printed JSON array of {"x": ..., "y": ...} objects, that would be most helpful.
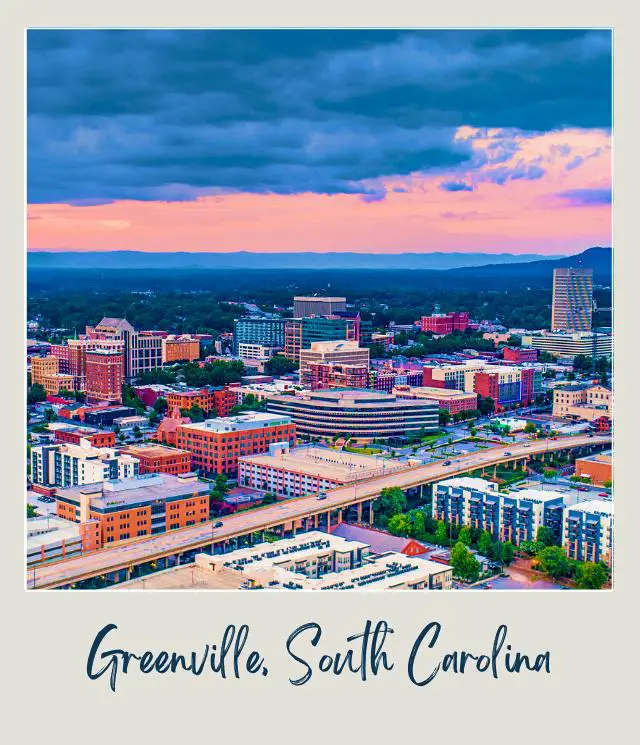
[
  {"x": 519, "y": 354},
  {"x": 442, "y": 324},
  {"x": 215, "y": 445},
  {"x": 218, "y": 400},
  {"x": 104, "y": 375},
  {"x": 160, "y": 459},
  {"x": 334, "y": 375},
  {"x": 105, "y": 439}
]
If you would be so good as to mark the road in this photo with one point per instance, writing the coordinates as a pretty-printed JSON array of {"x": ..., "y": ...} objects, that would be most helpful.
[{"x": 149, "y": 548}]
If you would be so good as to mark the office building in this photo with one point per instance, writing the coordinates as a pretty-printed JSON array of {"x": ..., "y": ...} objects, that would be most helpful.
[
  {"x": 52, "y": 538},
  {"x": 583, "y": 401},
  {"x": 134, "y": 507},
  {"x": 268, "y": 332},
  {"x": 451, "y": 400},
  {"x": 317, "y": 306},
  {"x": 160, "y": 459},
  {"x": 322, "y": 375},
  {"x": 441, "y": 324},
  {"x": 588, "y": 531},
  {"x": 514, "y": 516},
  {"x": 105, "y": 416},
  {"x": 262, "y": 391},
  {"x": 302, "y": 333},
  {"x": 257, "y": 351},
  {"x": 519, "y": 355},
  {"x": 288, "y": 472},
  {"x": 182, "y": 348},
  {"x": 363, "y": 415},
  {"x": 71, "y": 465},
  {"x": 346, "y": 353},
  {"x": 572, "y": 307},
  {"x": 57, "y": 382},
  {"x": 142, "y": 349},
  {"x": 569, "y": 345},
  {"x": 216, "y": 444},
  {"x": 597, "y": 468},
  {"x": 95, "y": 438},
  {"x": 42, "y": 367}
]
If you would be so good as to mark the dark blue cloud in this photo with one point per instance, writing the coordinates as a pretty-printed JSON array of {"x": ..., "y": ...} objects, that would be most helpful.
[
  {"x": 174, "y": 114},
  {"x": 586, "y": 197},
  {"x": 455, "y": 186}
]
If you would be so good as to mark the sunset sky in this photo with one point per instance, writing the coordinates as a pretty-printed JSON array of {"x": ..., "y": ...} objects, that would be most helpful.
[{"x": 377, "y": 141}]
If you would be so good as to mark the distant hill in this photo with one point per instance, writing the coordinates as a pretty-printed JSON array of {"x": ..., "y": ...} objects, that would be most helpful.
[
  {"x": 183, "y": 260},
  {"x": 598, "y": 258}
]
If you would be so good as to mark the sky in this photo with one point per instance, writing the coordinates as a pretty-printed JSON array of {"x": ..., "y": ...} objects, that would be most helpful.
[{"x": 367, "y": 141}]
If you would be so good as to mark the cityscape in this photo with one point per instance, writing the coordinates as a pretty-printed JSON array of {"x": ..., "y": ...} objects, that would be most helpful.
[{"x": 259, "y": 410}]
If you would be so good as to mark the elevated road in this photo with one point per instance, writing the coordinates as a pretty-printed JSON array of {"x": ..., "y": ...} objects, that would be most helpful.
[{"x": 151, "y": 548}]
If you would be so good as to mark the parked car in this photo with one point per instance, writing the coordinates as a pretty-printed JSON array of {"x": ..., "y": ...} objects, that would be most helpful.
[
  {"x": 603, "y": 494},
  {"x": 217, "y": 524},
  {"x": 582, "y": 488}
]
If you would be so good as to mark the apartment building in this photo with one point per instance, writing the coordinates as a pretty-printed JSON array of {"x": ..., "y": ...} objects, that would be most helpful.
[
  {"x": 441, "y": 324},
  {"x": 217, "y": 444},
  {"x": 211, "y": 399},
  {"x": 588, "y": 531},
  {"x": 67, "y": 465},
  {"x": 514, "y": 516},
  {"x": 104, "y": 375},
  {"x": 134, "y": 507}
]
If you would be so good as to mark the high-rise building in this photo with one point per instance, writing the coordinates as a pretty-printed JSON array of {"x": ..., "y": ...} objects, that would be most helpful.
[
  {"x": 142, "y": 349},
  {"x": 317, "y": 306},
  {"x": 323, "y": 352},
  {"x": 104, "y": 375},
  {"x": 268, "y": 332},
  {"x": 572, "y": 308},
  {"x": 73, "y": 465},
  {"x": 301, "y": 333}
]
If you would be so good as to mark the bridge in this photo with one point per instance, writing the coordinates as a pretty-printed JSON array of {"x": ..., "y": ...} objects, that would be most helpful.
[{"x": 303, "y": 513}]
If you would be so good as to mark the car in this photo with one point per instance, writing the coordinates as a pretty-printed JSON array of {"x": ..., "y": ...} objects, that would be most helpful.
[
  {"x": 217, "y": 524},
  {"x": 447, "y": 463},
  {"x": 603, "y": 494},
  {"x": 41, "y": 499},
  {"x": 526, "y": 445},
  {"x": 582, "y": 488},
  {"x": 322, "y": 496},
  {"x": 507, "y": 452}
]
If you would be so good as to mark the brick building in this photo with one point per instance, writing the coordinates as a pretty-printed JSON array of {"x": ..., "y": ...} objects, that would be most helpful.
[
  {"x": 218, "y": 400},
  {"x": 519, "y": 354},
  {"x": 180, "y": 348},
  {"x": 104, "y": 375},
  {"x": 95, "y": 438},
  {"x": 335, "y": 375},
  {"x": 441, "y": 324},
  {"x": 160, "y": 459},
  {"x": 216, "y": 444}
]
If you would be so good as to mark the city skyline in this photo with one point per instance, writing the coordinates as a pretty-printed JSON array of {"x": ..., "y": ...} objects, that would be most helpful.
[{"x": 360, "y": 141}]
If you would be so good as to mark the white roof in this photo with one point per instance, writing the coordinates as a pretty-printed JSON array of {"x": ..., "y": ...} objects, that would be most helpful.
[{"x": 594, "y": 506}]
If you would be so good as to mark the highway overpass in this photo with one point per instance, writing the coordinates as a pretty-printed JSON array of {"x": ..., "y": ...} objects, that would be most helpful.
[{"x": 303, "y": 513}]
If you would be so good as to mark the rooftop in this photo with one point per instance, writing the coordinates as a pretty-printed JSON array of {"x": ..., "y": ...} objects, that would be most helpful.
[
  {"x": 593, "y": 507},
  {"x": 378, "y": 541},
  {"x": 252, "y": 420},
  {"x": 149, "y": 450},
  {"x": 42, "y": 531},
  {"x": 348, "y": 397},
  {"x": 468, "y": 482}
]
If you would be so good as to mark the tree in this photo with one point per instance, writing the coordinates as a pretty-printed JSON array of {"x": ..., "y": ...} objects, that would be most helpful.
[
  {"x": 280, "y": 365},
  {"x": 590, "y": 576},
  {"x": 137, "y": 433},
  {"x": 484, "y": 543},
  {"x": 36, "y": 394},
  {"x": 441, "y": 533},
  {"x": 66, "y": 393},
  {"x": 31, "y": 511},
  {"x": 545, "y": 536},
  {"x": 486, "y": 405},
  {"x": 269, "y": 498},
  {"x": 160, "y": 405},
  {"x": 221, "y": 484},
  {"x": 607, "y": 484},
  {"x": 195, "y": 413},
  {"x": 464, "y": 563},
  {"x": 553, "y": 561},
  {"x": 418, "y": 523},
  {"x": 399, "y": 524},
  {"x": 507, "y": 552},
  {"x": 444, "y": 417},
  {"x": 550, "y": 473},
  {"x": 530, "y": 428},
  {"x": 392, "y": 500},
  {"x": 50, "y": 415},
  {"x": 465, "y": 536}
]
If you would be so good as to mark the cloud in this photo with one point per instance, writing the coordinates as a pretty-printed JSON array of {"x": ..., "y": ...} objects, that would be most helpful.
[
  {"x": 574, "y": 163},
  {"x": 455, "y": 186},
  {"x": 586, "y": 197},
  {"x": 135, "y": 114}
]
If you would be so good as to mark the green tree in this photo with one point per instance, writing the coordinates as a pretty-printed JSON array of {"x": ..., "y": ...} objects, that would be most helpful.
[
  {"x": 392, "y": 500},
  {"x": 137, "y": 433},
  {"x": 160, "y": 405},
  {"x": 507, "y": 552},
  {"x": 36, "y": 394},
  {"x": 50, "y": 415},
  {"x": 553, "y": 561},
  {"x": 545, "y": 536},
  {"x": 530, "y": 428},
  {"x": 221, "y": 484},
  {"x": 486, "y": 405},
  {"x": 399, "y": 524},
  {"x": 550, "y": 473},
  {"x": 484, "y": 543},
  {"x": 444, "y": 417},
  {"x": 607, "y": 484},
  {"x": 441, "y": 533},
  {"x": 465, "y": 536},
  {"x": 590, "y": 576},
  {"x": 464, "y": 563},
  {"x": 279, "y": 365},
  {"x": 31, "y": 511},
  {"x": 269, "y": 498},
  {"x": 418, "y": 523}
]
